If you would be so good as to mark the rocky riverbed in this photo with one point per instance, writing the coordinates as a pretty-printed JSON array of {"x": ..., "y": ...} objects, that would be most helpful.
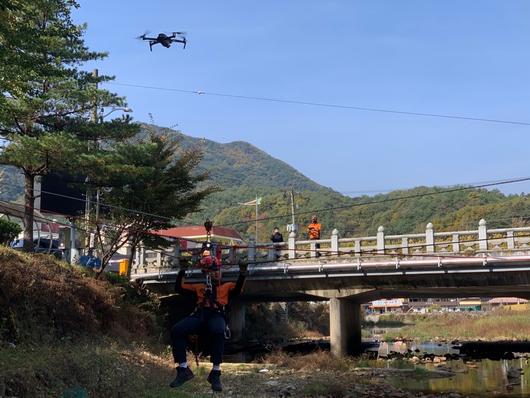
[
  {"x": 267, "y": 380},
  {"x": 311, "y": 376}
]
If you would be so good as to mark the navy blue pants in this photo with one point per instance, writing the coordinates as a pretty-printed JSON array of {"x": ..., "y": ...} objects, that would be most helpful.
[{"x": 208, "y": 320}]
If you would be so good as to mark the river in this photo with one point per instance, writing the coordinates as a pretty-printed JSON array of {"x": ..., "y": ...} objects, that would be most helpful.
[{"x": 466, "y": 375}]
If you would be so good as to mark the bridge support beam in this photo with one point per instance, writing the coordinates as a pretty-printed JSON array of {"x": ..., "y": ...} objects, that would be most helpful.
[
  {"x": 345, "y": 327},
  {"x": 236, "y": 320}
]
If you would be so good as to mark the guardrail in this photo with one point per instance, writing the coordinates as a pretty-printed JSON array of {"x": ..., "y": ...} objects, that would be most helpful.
[{"x": 468, "y": 243}]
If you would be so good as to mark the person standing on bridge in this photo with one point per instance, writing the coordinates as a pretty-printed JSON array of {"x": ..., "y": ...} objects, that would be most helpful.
[
  {"x": 277, "y": 237},
  {"x": 213, "y": 297},
  {"x": 313, "y": 232}
]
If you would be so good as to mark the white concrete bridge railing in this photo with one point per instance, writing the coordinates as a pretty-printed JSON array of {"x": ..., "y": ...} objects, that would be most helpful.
[
  {"x": 468, "y": 242},
  {"x": 349, "y": 271}
]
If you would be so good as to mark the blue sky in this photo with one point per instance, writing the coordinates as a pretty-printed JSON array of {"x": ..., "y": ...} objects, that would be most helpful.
[{"x": 457, "y": 57}]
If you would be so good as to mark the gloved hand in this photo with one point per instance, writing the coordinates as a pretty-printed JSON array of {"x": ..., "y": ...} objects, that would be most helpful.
[{"x": 243, "y": 267}]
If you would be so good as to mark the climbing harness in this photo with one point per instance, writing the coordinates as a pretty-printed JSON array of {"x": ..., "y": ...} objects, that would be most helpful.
[{"x": 211, "y": 265}]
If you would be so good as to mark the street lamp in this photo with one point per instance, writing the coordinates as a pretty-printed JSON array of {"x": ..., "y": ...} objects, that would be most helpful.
[{"x": 113, "y": 109}]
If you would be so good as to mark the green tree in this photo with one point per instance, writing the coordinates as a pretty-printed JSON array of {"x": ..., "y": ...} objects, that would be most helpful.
[
  {"x": 47, "y": 102},
  {"x": 8, "y": 231},
  {"x": 159, "y": 183}
]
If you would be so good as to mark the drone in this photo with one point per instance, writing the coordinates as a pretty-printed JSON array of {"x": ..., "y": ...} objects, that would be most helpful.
[{"x": 165, "y": 40}]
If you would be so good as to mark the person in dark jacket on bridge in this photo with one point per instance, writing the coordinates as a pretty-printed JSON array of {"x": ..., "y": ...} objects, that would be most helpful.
[
  {"x": 213, "y": 296},
  {"x": 277, "y": 237}
]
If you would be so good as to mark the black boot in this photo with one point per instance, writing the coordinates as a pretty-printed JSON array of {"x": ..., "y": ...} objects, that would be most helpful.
[
  {"x": 214, "y": 378},
  {"x": 183, "y": 375}
]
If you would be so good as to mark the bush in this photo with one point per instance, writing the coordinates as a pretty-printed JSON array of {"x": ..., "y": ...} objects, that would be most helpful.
[
  {"x": 8, "y": 231},
  {"x": 267, "y": 322},
  {"x": 43, "y": 300}
]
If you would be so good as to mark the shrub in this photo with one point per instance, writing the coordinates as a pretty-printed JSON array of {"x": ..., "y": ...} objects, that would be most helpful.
[
  {"x": 43, "y": 300},
  {"x": 8, "y": 231}
]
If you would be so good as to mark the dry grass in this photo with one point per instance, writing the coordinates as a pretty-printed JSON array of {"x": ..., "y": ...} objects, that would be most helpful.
[
  {"x": 496, "y": 325},
  {"x": 101, "y": 369},
  {"x": 61, "y": 329},
  {"x": 316, "y": 361},
  {"x": 43, "y": 300},
  {"x": 328, "y": 388}
]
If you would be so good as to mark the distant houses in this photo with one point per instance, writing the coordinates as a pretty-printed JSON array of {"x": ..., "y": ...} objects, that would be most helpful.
[{"x": 427, "y": 305}]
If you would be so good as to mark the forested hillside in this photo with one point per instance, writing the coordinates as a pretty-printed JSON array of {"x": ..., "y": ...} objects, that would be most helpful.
[
  {"x": 460, "y": 210},
  {"x": 242, "y": 171}
]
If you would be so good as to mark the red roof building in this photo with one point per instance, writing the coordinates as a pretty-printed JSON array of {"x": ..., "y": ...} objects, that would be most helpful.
[{"x": 224, "y": 235}]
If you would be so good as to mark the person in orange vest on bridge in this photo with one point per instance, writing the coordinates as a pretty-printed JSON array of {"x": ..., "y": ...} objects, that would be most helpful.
[
  {"x": 313, "y": 232},
  {"x": 213, "y": 297}
]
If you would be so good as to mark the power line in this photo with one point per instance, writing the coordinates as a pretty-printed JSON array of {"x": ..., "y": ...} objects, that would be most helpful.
[
  {"x": 342, "y": 254},
  {"x": 412, "y": 196},
  {"x": 387, "y": 190},
  {"x": 102, "y": 204},
  {"x": 326, "y": 105}
]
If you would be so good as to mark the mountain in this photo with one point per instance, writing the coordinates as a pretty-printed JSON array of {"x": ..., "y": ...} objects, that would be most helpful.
[
  {"x": 239, "y": 163},
  {"x": 242, "y": 171}
]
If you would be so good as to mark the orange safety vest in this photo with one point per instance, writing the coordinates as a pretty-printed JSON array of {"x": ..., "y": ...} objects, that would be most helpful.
[
  {"x": 313, "y": 230},
  {"x": 223, "y": 291}
]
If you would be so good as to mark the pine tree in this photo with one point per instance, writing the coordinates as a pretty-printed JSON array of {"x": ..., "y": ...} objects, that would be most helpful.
[
  {"x": 48, "y": 105},
  {"x": 158, "y": 187}
]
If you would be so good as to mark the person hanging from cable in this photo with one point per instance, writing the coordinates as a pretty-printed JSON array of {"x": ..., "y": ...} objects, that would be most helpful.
[{"x": 213, "y": 297}]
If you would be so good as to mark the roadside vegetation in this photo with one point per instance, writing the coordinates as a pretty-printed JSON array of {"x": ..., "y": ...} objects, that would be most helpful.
[
  {"x": 275, "y": 323},
  {"x": 62, "y": 329},
  {"x": 64, "y": 333},
  {"x": 500, "y": 324}
]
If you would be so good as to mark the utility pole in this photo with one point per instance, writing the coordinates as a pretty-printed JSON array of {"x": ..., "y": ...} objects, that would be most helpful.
[
  {"x": 95, "y": 74},
  {"x": 292, "y": 207},
  {"x": 291, "y": 227},
  {"x": 256, "y": 218}
]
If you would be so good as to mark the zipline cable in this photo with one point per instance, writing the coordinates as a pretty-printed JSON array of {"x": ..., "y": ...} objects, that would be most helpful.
[{"x": 325, "y": 105}]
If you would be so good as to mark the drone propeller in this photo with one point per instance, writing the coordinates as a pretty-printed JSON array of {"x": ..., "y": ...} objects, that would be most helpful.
[
  {"x": 179, "y": 33},
  {"x": 142, "y": 37}
]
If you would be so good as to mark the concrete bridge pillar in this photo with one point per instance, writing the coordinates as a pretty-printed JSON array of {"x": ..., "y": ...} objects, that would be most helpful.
[
  {"x": 236, "y": 320},
  {"x": 236, "y": 323},
  {"x": 345, "y": 327},
  {"x": 292, "y": 244},
  {"x": 381, "y": 240},
  {"x": 429, "y": 238},
  {"x": 335, "y": 242},
  {"x": 482, "y": 235}
]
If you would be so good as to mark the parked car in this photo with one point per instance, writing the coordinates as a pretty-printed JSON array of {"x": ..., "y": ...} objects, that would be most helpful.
[{"x": 41, "y": 245}]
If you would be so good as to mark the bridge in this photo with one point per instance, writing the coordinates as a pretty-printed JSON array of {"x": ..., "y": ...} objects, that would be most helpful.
[{"x": 350, "y": 271}]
